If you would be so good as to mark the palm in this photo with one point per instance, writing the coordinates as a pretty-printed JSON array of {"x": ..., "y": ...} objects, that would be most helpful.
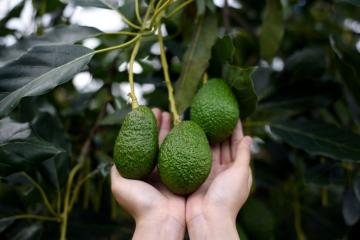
[{"x": 227, "y": 182}]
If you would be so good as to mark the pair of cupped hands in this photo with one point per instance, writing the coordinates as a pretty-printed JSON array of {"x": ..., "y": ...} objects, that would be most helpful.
[{"x": 208, "y": 213}]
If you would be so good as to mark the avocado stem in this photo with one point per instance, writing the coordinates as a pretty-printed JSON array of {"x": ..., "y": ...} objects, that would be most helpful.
[
  {"x": 134, "y": 102},
  {"x": 205, "y": 78},
  {"x": 165, "y": 68}
]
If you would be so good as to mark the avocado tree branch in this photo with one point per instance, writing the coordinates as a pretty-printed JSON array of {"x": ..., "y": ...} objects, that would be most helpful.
[
  {"x": 42, "y": 193},
  {"x": 165, "y": 68},
  {"x": 178, "y": 8},
  {"x": 137, "y": 11},
  {"x": 30, "y": 216},
  {"x": 83, "y": 153},
  {"x": 78, "y": 186},
  {"x": 134, "y": 102}
]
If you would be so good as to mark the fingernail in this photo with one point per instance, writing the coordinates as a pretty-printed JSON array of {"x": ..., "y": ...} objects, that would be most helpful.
[{"x": 247, "y": 140}]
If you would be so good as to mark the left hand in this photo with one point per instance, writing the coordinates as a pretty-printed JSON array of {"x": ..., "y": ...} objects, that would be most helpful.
[{"x": 157, "y": 212}]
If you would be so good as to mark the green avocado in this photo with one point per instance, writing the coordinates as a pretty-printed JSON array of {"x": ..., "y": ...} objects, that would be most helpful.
[
  {"x": 185, "y": 159},
  {"x": 136, "y": 146},
  {"x": 215, "y": 109}
]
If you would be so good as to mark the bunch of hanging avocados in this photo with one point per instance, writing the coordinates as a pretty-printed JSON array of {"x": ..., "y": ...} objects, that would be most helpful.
[{"x": 184, "y": 159}]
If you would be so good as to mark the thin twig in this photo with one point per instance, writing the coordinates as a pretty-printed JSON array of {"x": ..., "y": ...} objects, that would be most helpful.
[
  {"x": 179, "y": 8},
  {"x": 30, "y": 216},
  {"x": 134, "y": 102},
  {"x": 42, "y": 193},
  {"x": 79, "y": 185},
  {"x": 165, "y": 67},
  {"x": 137, "y": 11},
  {"x": 84, "y": 152}
]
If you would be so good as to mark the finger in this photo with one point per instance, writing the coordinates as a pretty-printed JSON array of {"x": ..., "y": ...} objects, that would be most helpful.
[
  {"x": 126, "y": 192},
  {"x": 243, "y": 152},
  {"x": 118, "y": 185},
  {"x": 165, "y": 126},
  {"x": 236, "y": 138},
  {"x": 225, "y": 152},
  {"x": 157, "y": 113},
  {"x": 216, "y": 154}
]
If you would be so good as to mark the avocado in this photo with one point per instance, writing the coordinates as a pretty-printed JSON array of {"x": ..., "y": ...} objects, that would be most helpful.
[
  {"x": 185, "y": 159},
  {"x": 215, "y": 109},
  {"x": 136, "y": 146}
]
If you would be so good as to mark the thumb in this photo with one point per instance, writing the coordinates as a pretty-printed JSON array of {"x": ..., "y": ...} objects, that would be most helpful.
[{"x": 243, "y": 154}]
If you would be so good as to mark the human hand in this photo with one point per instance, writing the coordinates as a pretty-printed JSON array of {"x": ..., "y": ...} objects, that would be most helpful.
[
  {"x": 158, "y": 213},
  {"x": 211, "y": 211}
]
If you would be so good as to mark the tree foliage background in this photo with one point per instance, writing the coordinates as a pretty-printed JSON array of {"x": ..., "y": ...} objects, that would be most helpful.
[{"x": 293, "y": 64}]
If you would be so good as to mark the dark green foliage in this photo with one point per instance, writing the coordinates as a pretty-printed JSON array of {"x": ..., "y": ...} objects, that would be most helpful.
[
  {"x": 301, "y": 105},
  {"x": 136, "y": 146},
  {"x": 215, "y": 109},
  {"x": 185, "y": 158}
]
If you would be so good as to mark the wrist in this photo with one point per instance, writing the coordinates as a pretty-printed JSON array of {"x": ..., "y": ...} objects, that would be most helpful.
[
  {"x": 159, "y": 226},
  {"x": 212, "y": 225}
]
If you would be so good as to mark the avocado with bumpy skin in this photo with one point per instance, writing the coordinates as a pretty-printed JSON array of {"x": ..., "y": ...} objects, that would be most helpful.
[
  {"x": 215, "y": 109},
  {"x": 136, "y": 146},
  {"x": 185, "y": 159}
]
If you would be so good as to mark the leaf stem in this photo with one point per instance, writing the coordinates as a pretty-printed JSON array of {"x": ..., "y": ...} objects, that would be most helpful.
[
  {"x": 84, "y": 152},
  {"x": 297, "y": 216},
  {"x": 205, "y": 78},
  {"x": 79, "y": 185},
  {"x": 42, "y": 193},
  {"x": 134, "y": 102},
  {"x": 65, "y": 213},
  {"x": 159, "y": 11},
  {"x": 31, "y": 216},
  {"x": 137, "y": 11},
  {"x": 119, "y": 46},
  {"x": 165, "y": 68},
  {"x": 178, "y": 8},
  {"x": 127, "y": 33}
]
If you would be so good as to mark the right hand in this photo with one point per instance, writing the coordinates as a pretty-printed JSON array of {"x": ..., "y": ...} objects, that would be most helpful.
[{"x": 221, "y": 196}]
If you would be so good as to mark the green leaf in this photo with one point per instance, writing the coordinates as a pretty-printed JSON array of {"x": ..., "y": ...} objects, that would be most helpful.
[
  {"x": 346, "y": 61},
  {"x": 11, "y": 130},
  {"x": 222, "y": 52},
  {"x": 260, "y": 228},
  {"x": 356, "y": 187},
  {"x": 32, "y": 231},
  {"x": 300, "y": 96},
  {"x": 48, "y": 127},
  {"x": 40, "y": 70},
  {"x": 305, "y": 64},
  {"x": 240, "y": 80},
  {"x": 326, "y": 174},
  {"x": 354, "y": 2},
  {"x": 59, "y": 35},
  {"x": 351, "y": 207},
  {"x": 200, "y": 7},
  {"x": 272, "y": 29},
  {"x": 320, "y": 139},
  {"x": 11, "y": 200},
  {"x": 115, "y": 118},
  {"x": 24, "y": 154},
  {"x": 246, "y": 48},
  {"x": 195, "y": 60}
]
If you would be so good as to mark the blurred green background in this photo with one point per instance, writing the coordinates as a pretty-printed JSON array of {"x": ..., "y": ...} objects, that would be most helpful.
[{"x": 294, "y": 66}]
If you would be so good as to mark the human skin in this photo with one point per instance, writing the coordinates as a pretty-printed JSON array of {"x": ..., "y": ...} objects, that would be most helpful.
[
  {"x": 158, "y": 213},
  {"x": 211, "y": 211},
  {"x": 208, "y": 213}
]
